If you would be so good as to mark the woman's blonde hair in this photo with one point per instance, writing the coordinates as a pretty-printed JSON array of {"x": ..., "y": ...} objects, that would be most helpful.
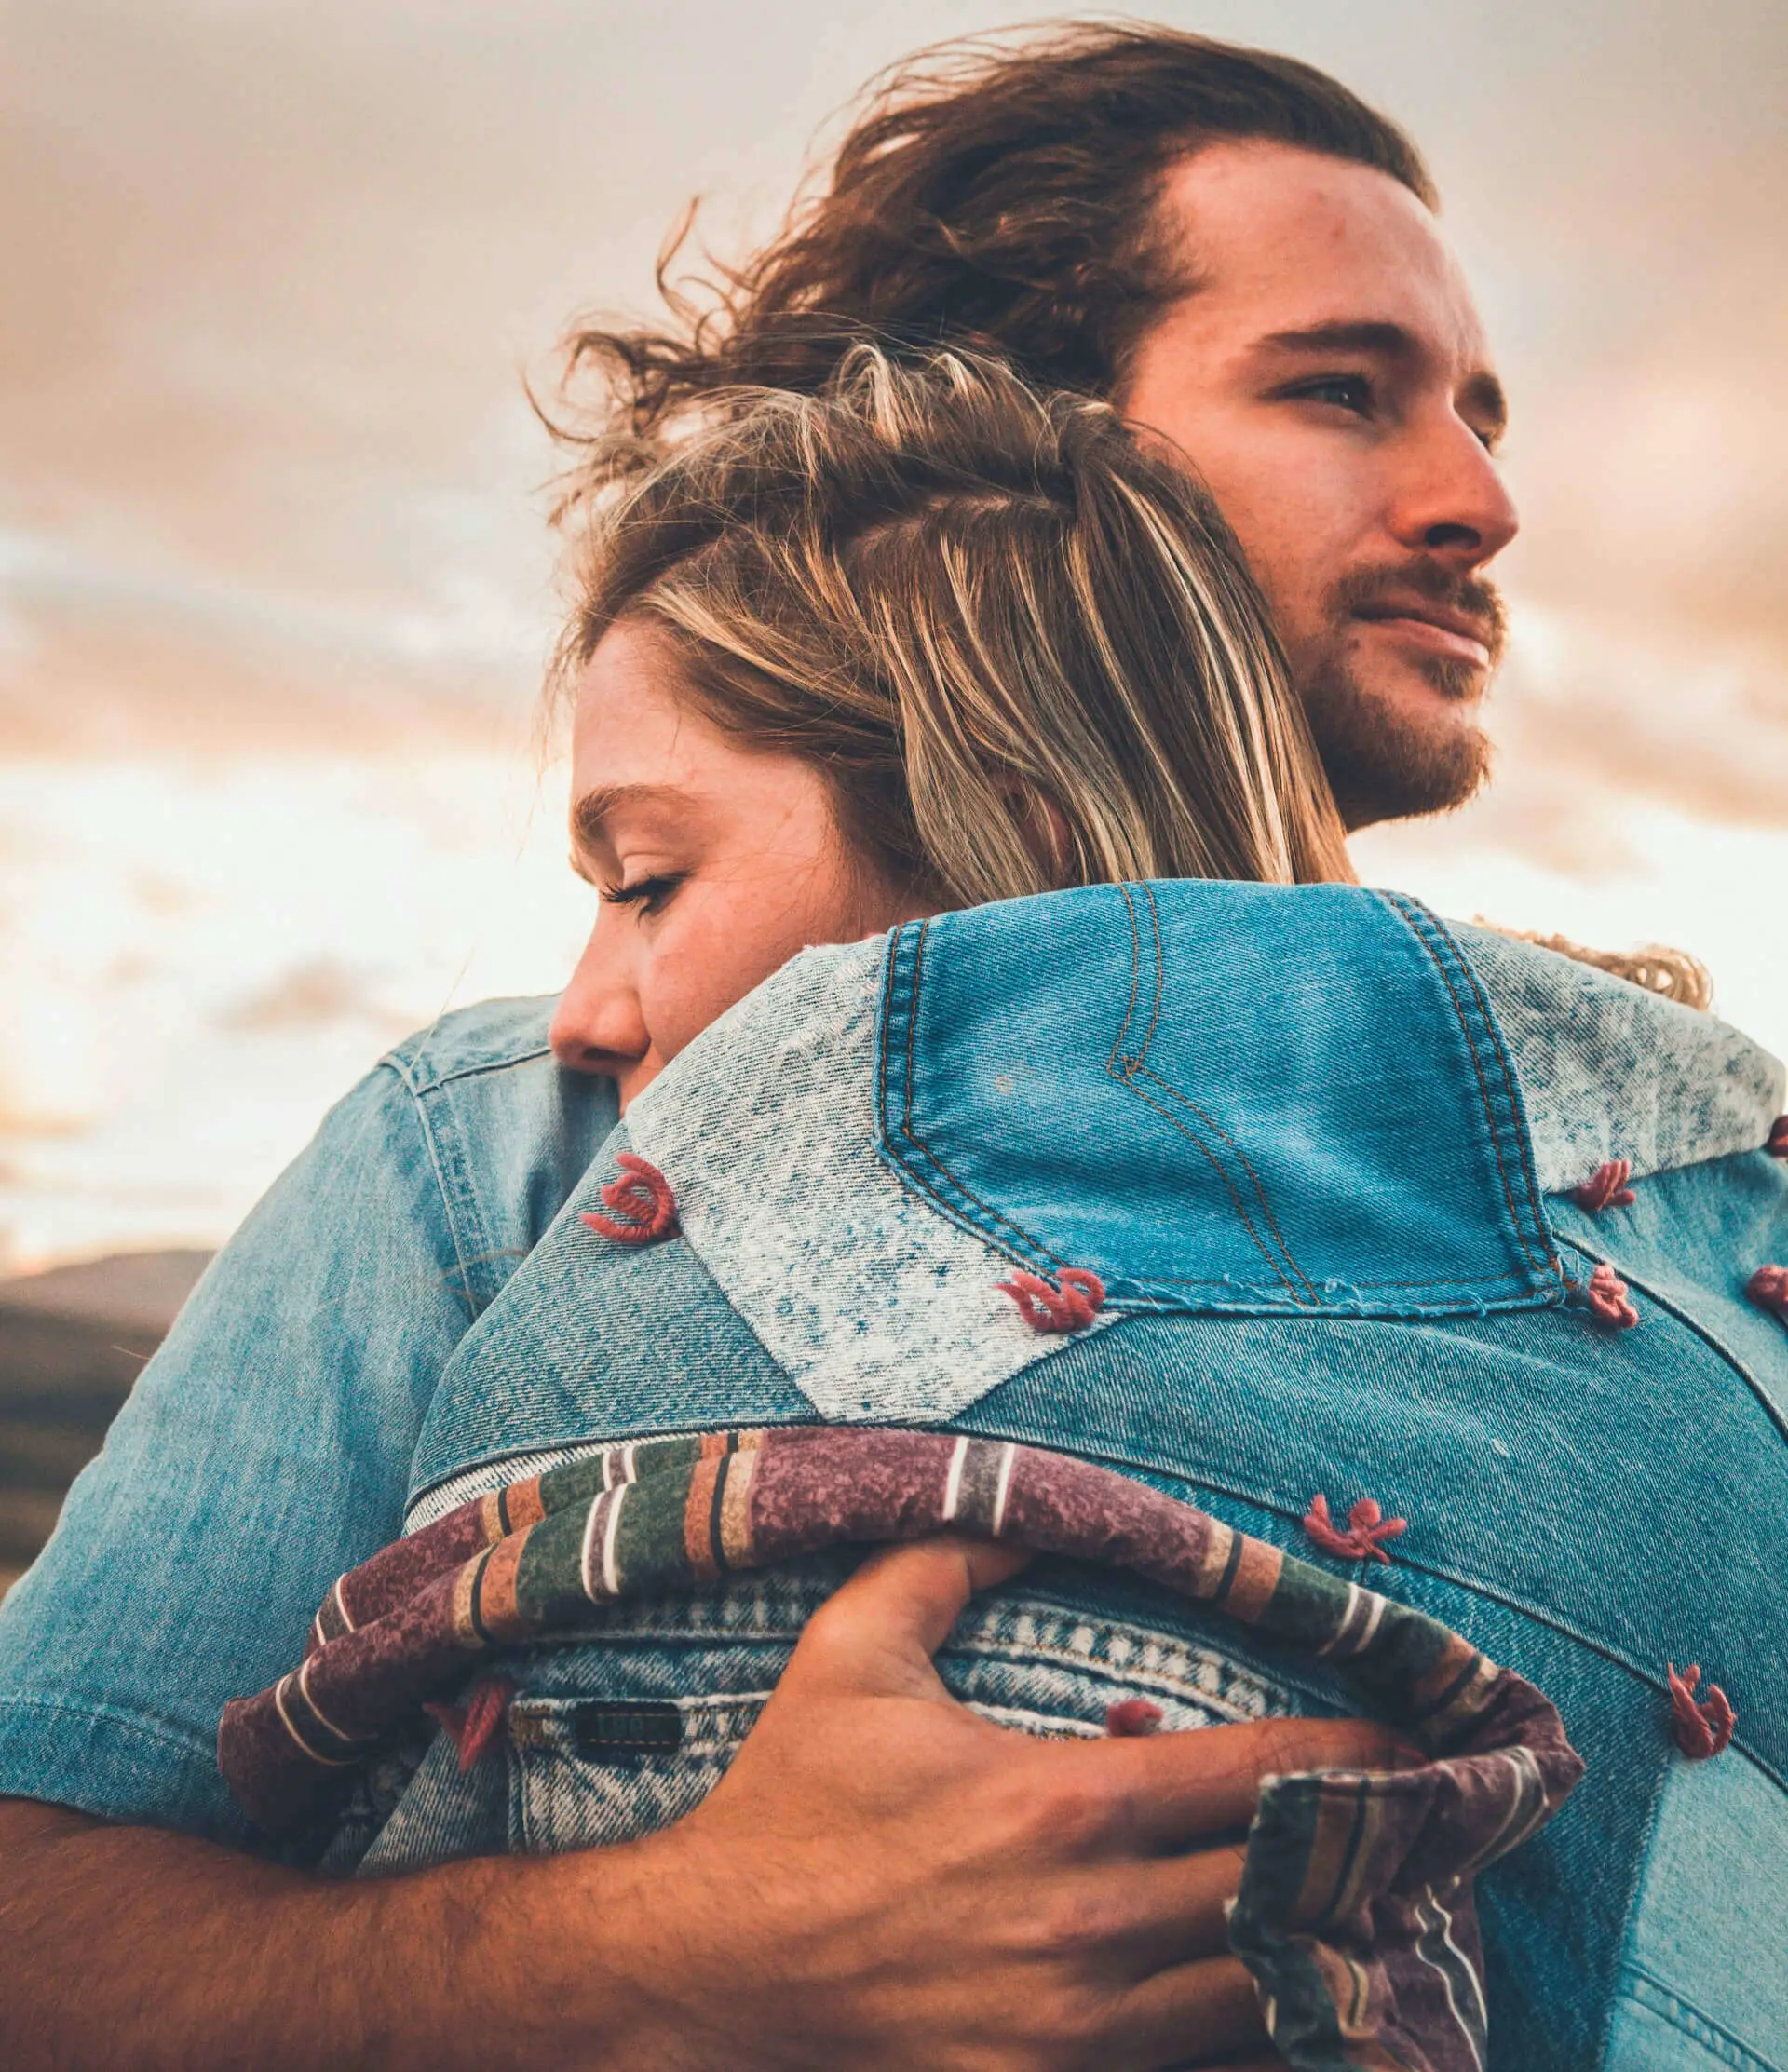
[{"x": 1023, "y": 651}]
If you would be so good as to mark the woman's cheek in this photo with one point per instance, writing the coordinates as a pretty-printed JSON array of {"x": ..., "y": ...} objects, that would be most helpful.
[
  {"x": 695, "y": 971},
  {"x": 716, "y": 942}
]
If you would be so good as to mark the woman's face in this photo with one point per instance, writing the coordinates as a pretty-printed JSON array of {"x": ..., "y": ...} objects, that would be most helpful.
[{"x": 714, "y": 863}]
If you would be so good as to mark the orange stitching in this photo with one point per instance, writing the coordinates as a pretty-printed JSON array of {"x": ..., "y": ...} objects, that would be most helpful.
[
  {"x": 1484, "y": 1089},
  {"x": 1135, "y": 973},
  {"x": 1216, "y": 1164},
  {"x": 1167, "y": 1086},
  {"x": 1216, "y": 1128},
  {"x": 1131, "y": 1066},
  {"x": 1160, "y": 965}
]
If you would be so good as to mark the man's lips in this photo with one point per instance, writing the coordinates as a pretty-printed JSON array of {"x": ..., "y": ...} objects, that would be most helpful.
[{"x": 1437, "y": 628}]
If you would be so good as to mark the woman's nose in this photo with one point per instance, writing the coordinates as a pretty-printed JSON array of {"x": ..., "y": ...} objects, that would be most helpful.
[{"x": 598, "y": 1025}]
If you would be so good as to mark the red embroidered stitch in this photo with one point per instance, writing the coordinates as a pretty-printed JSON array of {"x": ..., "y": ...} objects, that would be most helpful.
[
  {"x": 1778, "y": 1145},
  {"x": 1133, "y": 1717},
  {"x": 477, "y": 1726},
  {"x": 1071, "y": 1307},
  {"x": 1606, "y": 1187},
  {"x": 1702, "y": 1727},
  {"x": 1606, "y": 1294},
  {"x": 643, "y": 1194},
  {"x": 1366, "y": 1526},
  {"x": 1768, "y": 1289}
]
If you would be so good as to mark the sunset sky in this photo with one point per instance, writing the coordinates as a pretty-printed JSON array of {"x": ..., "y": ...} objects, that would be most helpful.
[{"x": 273, "y": 580}]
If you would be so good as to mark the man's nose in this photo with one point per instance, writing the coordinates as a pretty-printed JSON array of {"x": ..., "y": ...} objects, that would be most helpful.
[
  {"x": 598, "y": 1025},
  {"x": 1453, "y": 505}
]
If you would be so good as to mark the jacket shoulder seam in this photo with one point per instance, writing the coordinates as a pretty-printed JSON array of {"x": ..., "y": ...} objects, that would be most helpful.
[
  {"x": 1709, "y": 1337},
  {"x": 419, "y": 1109},
  {"x": 421, "y": 1085}
]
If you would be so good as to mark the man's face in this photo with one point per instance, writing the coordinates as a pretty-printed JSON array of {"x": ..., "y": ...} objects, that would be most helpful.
[{"x": 1328, "y": 378}]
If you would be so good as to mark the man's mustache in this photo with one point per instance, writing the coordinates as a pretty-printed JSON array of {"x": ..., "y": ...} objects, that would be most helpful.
[{"x": 1474, "y": 596}]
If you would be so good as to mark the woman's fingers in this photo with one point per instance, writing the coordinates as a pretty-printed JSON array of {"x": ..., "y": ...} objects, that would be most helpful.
[{"x": 1203, "y": 2014}]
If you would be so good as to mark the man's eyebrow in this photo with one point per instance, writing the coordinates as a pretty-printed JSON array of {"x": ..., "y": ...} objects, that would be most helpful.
[
  {"x": 1373, "y": 335},
  {"x": 592, "y": 814},
  {"x": 1481, "y": 392}
]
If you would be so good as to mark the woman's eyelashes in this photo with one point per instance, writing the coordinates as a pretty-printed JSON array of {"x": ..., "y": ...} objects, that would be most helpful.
[{"x": 648, "y": 894}]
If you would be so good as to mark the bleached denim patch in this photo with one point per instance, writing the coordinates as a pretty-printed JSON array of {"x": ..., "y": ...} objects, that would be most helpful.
[
  {"x": 1611, "y": 1072},
  {"x": 873, "y": 1306},
  {"x": 1716, "y": 1869}
]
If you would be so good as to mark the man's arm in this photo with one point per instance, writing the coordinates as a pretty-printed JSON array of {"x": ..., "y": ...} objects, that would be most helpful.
[
  {"x": 265, "y": 1449},
  {"x": 130, "y": 1949},
  {"x": 882, "y": 1880}
]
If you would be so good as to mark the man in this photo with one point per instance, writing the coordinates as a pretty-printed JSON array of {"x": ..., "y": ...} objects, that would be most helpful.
[
  {"x": 1247, "y": 257},
  {"x": 1248, "y": 261}
]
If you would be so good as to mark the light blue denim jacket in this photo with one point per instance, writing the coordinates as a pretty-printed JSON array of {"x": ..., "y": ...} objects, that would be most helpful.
[{"x": 1319, "y": 1147}]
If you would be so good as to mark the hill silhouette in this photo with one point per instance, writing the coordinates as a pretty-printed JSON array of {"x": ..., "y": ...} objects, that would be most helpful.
[{"x": 73, "y": 1341}]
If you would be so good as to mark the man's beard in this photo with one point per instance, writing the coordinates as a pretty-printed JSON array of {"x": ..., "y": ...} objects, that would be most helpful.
[{"x": 1384, "y": 762}]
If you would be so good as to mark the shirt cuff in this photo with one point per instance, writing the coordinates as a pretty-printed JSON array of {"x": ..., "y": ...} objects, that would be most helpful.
[{"x": 116, "y": 1765}]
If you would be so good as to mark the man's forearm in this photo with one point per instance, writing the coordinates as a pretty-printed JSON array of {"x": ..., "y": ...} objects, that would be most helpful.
[
  {"x": 131, "y": 1950},
  {"x": 880, "y": 1880}
]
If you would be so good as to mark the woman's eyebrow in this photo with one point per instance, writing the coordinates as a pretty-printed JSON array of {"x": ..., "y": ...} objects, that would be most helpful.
[{"x": 592, "y": 814}]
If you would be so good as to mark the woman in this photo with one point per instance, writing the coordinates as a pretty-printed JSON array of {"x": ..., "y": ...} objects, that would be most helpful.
[
  {"x": 823, "y": 689},
  {"x": 925, "y": 643},
  {"x": 964, "y": 643}
]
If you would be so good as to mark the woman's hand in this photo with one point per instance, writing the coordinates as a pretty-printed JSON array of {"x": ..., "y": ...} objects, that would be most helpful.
[{"x": 884, "y": 1880}]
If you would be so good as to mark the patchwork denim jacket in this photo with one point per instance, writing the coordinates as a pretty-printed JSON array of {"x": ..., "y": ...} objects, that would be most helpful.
[{"x": 1320, "y": 1149}]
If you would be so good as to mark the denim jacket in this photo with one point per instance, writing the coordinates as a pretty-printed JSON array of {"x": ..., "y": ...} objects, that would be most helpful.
[{"x": 1322, "y": 1152}]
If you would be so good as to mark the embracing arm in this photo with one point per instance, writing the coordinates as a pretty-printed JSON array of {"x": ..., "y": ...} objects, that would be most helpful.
[
  {"x": 881, "y": 1880},
  {"x": 134, "y": 1950},
  {"x": 264, "y": 1449}
]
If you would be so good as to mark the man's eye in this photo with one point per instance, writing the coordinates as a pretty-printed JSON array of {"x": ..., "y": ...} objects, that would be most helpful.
[
  {"x": 648, "y": 894},
  {"x": 1345, "y": 391}
]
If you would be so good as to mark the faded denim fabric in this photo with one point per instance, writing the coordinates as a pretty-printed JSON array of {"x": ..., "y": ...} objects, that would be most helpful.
[
  {"x": 1315, "y": 1144},
  {"x": 268, "y": 1444}
]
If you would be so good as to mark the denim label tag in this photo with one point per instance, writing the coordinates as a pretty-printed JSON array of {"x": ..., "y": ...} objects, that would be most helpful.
[{"x": 601, "y": 1728}]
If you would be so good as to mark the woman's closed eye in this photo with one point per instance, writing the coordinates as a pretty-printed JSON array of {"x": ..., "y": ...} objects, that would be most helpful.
[{"x": 648, "y": 894}]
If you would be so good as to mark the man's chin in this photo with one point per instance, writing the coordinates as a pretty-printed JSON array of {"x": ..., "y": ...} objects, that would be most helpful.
[{"x": 1404, "y": 747}]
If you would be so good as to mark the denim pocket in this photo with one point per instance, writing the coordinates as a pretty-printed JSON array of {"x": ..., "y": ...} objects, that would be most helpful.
[
  {"x": 611, "y": 1742},
  {"x": 572, "y": 1792},
  {"x": 1354, "y": 1145}
]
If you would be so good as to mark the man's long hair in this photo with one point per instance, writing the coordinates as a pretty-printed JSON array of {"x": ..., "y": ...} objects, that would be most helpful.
[{"x": 992, "y": 193}]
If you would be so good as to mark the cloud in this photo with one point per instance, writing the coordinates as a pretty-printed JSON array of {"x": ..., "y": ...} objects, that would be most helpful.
[
  {"x": 141, "y": 659},
  {"x": 315, "y": 995},
  {"x": 1593, "y": 721},
  {"x": 272, "y": 273}
]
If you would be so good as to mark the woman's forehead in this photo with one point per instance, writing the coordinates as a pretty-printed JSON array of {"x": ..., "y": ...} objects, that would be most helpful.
[
  {"x": 645, "y": 755},
  {"x": 634, "y": 721}
]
